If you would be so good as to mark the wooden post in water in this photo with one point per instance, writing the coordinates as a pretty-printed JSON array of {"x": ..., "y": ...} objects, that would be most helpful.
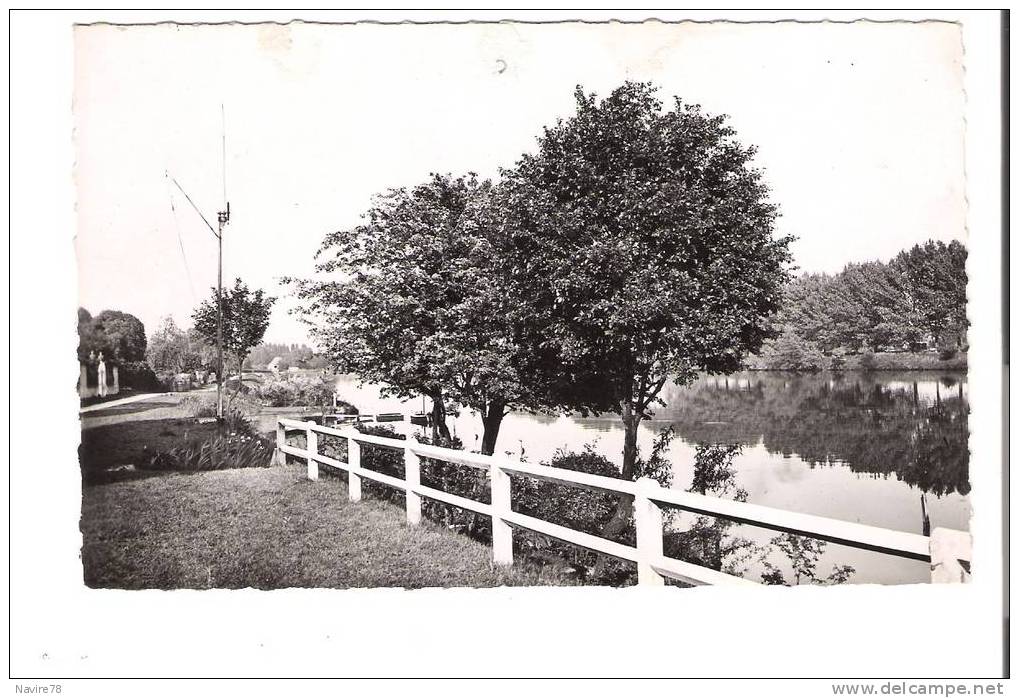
[
  {"x": 925, "y": 519},
  {"x": 650, "y": 546},
  {"x": 951, "y": 551}
]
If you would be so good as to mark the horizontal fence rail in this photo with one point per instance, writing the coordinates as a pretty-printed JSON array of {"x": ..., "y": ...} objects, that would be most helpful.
[{"x": 947, "y": 550}]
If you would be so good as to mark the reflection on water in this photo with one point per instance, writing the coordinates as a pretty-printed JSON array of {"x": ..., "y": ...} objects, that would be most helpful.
[
  {"x": 915, "y": 431},
  {"x": 857, "y": 447}
]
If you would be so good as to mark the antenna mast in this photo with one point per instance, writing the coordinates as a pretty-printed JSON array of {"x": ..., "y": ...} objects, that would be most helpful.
[{"x": 224, "y": 218}]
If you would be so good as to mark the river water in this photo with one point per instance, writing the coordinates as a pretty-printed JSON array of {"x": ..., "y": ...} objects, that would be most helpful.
[{"x": 859, "y": 447}]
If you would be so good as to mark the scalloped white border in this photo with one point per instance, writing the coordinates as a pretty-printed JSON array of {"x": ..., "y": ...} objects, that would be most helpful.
[{"x": 61, "y": 628}]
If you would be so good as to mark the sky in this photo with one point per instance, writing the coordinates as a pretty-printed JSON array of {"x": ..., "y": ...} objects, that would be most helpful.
[{"x": 859, "y": 130}]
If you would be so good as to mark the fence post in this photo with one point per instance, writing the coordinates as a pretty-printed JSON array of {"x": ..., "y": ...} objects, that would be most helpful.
[
  {"x": 281, "y": 440},
  {"x": 412, "y": 476},
  {"x": 648, "y": 519},
  {"x": 354, "y": 461},
  {"x": 116, "y": 380},
  {"x": 502, "y": 532},
  {"x": 312, "y": 451},
  {"x": 950, "y": 556}
]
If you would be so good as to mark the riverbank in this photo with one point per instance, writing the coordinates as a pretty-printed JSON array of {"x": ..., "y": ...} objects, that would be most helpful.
[{"x": 880, "y": 361}]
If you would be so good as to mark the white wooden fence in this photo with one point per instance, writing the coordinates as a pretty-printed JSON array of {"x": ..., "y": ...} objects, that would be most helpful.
[{"x": 949, "y": 549}]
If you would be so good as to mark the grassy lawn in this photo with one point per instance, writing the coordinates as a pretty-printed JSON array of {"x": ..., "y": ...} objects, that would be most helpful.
[
  {"x": 252, "y": 527},
  {"x": 108, "y": 445},
  {"x": 270, "y": 528}
]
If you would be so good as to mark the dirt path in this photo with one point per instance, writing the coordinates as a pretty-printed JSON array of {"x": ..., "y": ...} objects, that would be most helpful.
[
  {"x": 122, "y": 401},
  {"x": 141, "y": 407}
]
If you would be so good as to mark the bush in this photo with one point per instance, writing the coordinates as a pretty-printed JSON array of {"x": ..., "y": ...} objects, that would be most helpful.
[
  {"x": 838, "y": 360},
  {"x": 790, "y": 352},
  {"x": 575, "y": 508},
  {"x": 177, "y": 382},
  {"x": 137, "y": 375},
  {"x": 381, "y": 460},
  {"x": 566, "y": 505},
  {"x": 947, "y": 353},
  {"x": 231, "y": 450},
  {"x": 298, "y": 391},
  {"x": 198, "y": 406},
  {"x": 562, "y": 504},
  {"x": 236, "y": 445},
  {"x": 867, "y": 360},
  {"x": 462, "y": 480}
]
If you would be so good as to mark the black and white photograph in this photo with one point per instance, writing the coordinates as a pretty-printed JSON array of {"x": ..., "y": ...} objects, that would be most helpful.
[{"x": 655, "y": 310}]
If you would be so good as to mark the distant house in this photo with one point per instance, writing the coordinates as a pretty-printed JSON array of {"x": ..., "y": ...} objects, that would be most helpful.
[{"x": 274, "y": 365}]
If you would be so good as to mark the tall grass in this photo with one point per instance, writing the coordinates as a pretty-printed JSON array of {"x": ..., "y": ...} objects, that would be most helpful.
[
  {"x": 222, "y": 452},
  {"x": 234, "y": 445}
]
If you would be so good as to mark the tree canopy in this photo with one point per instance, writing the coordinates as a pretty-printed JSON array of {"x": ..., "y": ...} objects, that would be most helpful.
[
  {"x": 172, "y": 350},
  {"x": 917, "y": 298},
  {"x": 640, "y": 242},
  {"x": 635, "y": 245},
  {"x": 245, "y": 319},
  {"x": 643, "y": 238},
  {"x": 118, "y": 335},
  {"x": 412, "y": 299}
]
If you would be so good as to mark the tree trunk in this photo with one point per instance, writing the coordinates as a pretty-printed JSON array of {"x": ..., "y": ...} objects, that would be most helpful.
[
  {"x": 492, "y": 420},
  {"x": 624, "y": 509},
  {"x": 439, "y": 427},
  {"x": 240, "y": 377}
]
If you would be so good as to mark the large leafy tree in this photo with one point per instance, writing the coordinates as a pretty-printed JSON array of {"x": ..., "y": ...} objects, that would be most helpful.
[
  {"x": 171, "y": 350},
  {"x": 89, "y": 340},
  {"x": 411, "y": 299},
  {"x": 934, "y": 280},
  {"x": 118, "y": 335},
  {"x": 640, "y": 244},
  {"x": 245, "y": 319},
  {"x": 866, "y": 308},
  {"x": 204, "y": 350}
]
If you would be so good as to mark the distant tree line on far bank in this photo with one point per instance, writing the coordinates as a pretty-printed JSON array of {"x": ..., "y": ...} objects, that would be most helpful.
[{"x": 914, "y": 303}]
